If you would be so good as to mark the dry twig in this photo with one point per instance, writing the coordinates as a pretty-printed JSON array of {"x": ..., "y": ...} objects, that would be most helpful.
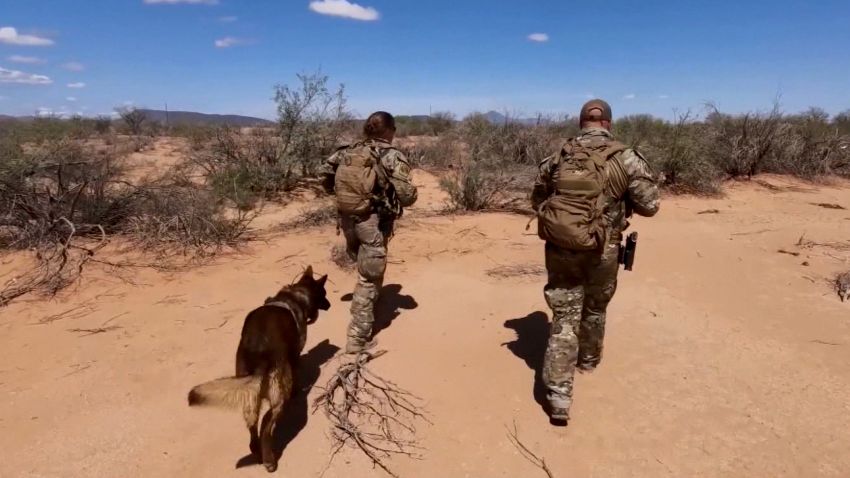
[
  {"x": 95, "y": 331},
  {"x": 513, "y": 436},
  {"x": 58, "y": 266},
  {"x": 370, "y": 413},
  {"x": 826, "y": 205}
]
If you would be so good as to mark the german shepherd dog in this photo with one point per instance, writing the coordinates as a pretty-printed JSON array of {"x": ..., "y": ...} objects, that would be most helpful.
[{"x": 266, "y": 360}]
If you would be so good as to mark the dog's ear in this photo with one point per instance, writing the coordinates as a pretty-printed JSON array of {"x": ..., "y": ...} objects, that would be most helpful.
[
  {"x": 307, "y": 277},
  {"x": 322, "y": 280}
]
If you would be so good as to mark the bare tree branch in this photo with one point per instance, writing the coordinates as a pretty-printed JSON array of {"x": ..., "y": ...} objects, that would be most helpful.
[{"x": 370, "y": 413}]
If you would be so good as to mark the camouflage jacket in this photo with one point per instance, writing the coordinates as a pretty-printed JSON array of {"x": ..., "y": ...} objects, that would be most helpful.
[
  {"x": 641, "y": 197},
  {"x": 395, "y": 164}
]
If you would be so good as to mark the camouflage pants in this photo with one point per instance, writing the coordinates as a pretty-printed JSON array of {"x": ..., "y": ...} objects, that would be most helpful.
[
  {"x": 366, "y": 241},
  {"x": 581, "y": 284}
]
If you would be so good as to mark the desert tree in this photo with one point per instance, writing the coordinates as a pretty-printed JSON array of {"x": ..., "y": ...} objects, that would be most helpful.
[
  {"x": 103, "y": 124},
  {"x": 841, "y": 121},
  {"x": 311, "y": 120},
  {"x": 441, "y": 122},
  {"x": 133, "y": 117}
]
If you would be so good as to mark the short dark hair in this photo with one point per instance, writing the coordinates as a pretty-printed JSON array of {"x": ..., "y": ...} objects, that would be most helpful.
[{"x": 378, "y": 124}]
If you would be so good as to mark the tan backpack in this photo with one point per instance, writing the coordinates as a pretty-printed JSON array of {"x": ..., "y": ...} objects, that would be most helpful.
[
  {"x": 573, "y": 217},
  {"x": 358, "y": 177}
]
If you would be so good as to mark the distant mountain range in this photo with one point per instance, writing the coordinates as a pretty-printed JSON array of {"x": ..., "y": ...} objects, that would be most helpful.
[
  {"x": 190, "y": 117},
  {"x": 183, "y": 117},
  {"x": 492, "y": 116},
  {"x": 194, "y": 118},
  {"x": 498, "y": 118}
]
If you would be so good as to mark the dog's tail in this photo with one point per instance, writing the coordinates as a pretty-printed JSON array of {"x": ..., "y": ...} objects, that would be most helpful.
[{"x": 230, "y": 392}]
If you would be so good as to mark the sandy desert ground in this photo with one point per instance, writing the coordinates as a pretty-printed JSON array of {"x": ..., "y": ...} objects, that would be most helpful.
[{"x": 724, "y": 357}]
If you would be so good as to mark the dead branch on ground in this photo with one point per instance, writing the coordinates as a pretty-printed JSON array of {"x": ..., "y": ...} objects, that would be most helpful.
[
  {"x": 58, "y": 265},
  {"x": 828, "y": 205},
  {"x": 370, "y": 413},
  {"x": 77, "y": 312},
  {"x": 95, "y": 331},
  {"x": 539, "y": 462}
]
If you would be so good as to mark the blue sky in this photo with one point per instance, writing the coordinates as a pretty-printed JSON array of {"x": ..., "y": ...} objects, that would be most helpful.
[{"x": 224, "y": 56}]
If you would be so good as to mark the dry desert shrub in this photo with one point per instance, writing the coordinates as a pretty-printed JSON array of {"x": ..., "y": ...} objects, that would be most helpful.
[
  {"x": 318, "y": 216},
  {"x": 62, "y": 200}
]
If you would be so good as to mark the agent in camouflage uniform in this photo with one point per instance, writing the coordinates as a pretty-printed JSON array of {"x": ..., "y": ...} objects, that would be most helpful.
[
  {"x": 367, "y": 236},
  {"x": 581, "y": 284}
]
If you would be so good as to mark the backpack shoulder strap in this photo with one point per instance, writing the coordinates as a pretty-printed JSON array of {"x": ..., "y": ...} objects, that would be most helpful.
[
  {"x": 379, "y": 166},
  {"x": 612, "y": 148},
  {"x": 566, "y": 150}
]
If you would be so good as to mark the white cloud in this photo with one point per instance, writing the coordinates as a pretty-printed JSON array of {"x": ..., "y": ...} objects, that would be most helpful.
[
  {"x": 344, "y": 8},
  {"x": 663, "y": 97},
  {"x": 71, "y": 99},
  {"x": 630, "y": 96},
  {"x": 228, "y": 19},
  {"x": 74, "y": 66},
  {"x": 228, "y": 42},
  {"x": 21, "y": 78},
  {"x": 29, "y": 60},
  {"x": 76, "y": 85},
  {"x": 44, "y": 111},
  {"x": 539, "y": 37},
  {"x": 175, "y": 2},
  {"x": 10, "y": 35}
]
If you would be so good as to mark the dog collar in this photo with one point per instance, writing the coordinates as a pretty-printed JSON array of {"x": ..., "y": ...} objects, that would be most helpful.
[{"x": 302, "y": 335}]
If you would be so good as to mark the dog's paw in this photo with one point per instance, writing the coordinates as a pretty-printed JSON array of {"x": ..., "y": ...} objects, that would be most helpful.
[{"x": 270, "y": 467}]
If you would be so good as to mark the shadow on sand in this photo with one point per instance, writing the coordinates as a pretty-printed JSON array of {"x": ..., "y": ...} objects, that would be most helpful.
[
  {"x": 390, "y": 304},
  {"x": 295, "y": 413},
  {"x": 532, "y": 335}
]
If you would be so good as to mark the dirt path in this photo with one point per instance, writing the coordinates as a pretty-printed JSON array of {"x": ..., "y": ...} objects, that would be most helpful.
[{"x": 723, "y": 356}]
